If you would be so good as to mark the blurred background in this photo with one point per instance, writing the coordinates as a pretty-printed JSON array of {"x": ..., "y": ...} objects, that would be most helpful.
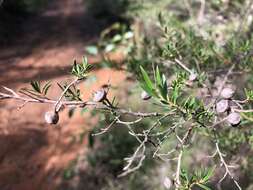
[{"x": 39, "y": 39}]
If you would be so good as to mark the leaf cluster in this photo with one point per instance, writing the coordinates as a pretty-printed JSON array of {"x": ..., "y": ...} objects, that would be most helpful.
[
  {"x": 38, "y": 88},
  {"x": 81, "y": 70},
  {"x": 175, "y": 96},
  {"x": 199, "y": 178}
]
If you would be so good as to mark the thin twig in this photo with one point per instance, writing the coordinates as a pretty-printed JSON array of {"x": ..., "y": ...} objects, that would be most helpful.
[
  {"x": 57, "y": 107},
  {"x": 226, "y": 166},
  {"x": 177, "y": 178},
  {"x": 104, "y": 130},
  {"x": 183, "y": 66},
  {"x": 201, "y": 13}
]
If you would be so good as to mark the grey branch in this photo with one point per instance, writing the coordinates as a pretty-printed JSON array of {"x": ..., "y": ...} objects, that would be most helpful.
[{"x": 43, "y": 100}]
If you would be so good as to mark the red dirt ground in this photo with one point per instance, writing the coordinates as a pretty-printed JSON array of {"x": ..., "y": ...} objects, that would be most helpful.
[{"x": 33, "y": 154}]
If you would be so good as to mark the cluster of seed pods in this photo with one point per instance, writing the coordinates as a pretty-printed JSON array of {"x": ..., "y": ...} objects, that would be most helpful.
[
  {"x": 224, "y": 106},
  {"x": 52, "y": 117}
]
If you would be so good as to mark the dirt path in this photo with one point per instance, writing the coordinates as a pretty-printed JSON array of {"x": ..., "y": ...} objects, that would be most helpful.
[{"x": 33, "y": 154}]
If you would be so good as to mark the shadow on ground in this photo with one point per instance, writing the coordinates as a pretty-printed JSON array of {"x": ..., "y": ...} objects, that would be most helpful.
[{"x": 50, "y": 39}]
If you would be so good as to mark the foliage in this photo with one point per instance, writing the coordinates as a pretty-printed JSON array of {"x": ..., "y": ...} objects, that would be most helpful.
[
  {"x": 81, "y": 70},
  {"x": 199, "y": 178},
  {"x": 114, "y": 38}
]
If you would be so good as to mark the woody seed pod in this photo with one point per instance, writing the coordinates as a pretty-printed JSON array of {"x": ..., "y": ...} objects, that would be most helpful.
[
  {"x": 193, "y": 76},
  {"x": 145, "y": 96},
  {"x": 51, "y": 117},
  {"x": 222, "y": 106},
  {"x": 227, "y": 93},
  {"x": 234, "y": 118},
  {"x": 167, "y": 183},
  {"x": 99, "y": 95}
]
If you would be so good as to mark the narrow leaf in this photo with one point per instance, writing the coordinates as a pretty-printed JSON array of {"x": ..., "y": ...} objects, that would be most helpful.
[
  {"x": 158, "y": 77},
  {"x": 36, "y": 86},
  {"x": 203, "y": 186},
  {"x": 147, "y": 79}
]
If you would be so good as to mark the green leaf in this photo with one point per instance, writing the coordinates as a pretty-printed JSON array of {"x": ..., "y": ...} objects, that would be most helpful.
[
  {"x": 146, "y": 88},
  {"x": 74, "y": 71},
  {"x": 204, "y": 187},
  {"x": 84, "y": 110},
  {"x": 109, "y": 48},
  {"x": 249, "y": 94},
  {"x": 93, "y": 50},
  {"x": 128, "y": 35},
  {"x": 36, "y": 86},
  {"x": 158, "y": 77},
  {"x": 146, "y": 79},
  {"x": 46, "y": 87},
  {"x": 61, "y": 87},
  {"x": 85, "y": 62},
  {"x": 184, "y": 176},
  {"x": 208, "y": 175},
  {"x": 164, "y": 92},
  {"x": 81, "y": 70},
  {"x": 175, "y": 94},
  {"x": 117, "y": 38}
]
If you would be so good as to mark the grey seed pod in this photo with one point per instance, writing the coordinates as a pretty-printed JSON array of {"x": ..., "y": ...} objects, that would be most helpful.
[
  {"x": 99, "y": 95},
  {"x": 234, "y": 118},
  {"x": 145, "y": 96},
  {"x": 227, "y": 93},
  {"x": 193, "y": 76},
  {"x": 167, "y": 183},
  {"x": 222, "y": 106},
  {"x": 51, "y": 117}
]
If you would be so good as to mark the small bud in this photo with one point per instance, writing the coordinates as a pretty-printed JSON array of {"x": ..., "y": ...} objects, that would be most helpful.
[
  {"x": 167, "y": 183},
  {"x": 234, "y": 118},
  {"x": 193, "y": 76},
  {"x": 222, "y": 106},
  {"x": 227, "y": 93},
  {"x": 145, "y": 96},
  {"x": 99, "y": 95},
  {"x": 51, "y": 117}
]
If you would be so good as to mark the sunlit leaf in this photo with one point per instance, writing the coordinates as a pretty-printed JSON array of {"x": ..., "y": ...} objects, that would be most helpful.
[{"x": 93, "y": 50}]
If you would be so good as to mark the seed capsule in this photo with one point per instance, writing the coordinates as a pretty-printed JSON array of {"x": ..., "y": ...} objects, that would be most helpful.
[
  {"x": 51, "y": 117},
  {"x": 193, "y": 76},
  {"x": 234, "y": 118},
  {"x": 227, "y": 93},
  {"x": 167, "y": 183},
  {"x": 99, "y": 95},
  {"x": 222, "y": 106},
  {"x": 145, "y": 96}
]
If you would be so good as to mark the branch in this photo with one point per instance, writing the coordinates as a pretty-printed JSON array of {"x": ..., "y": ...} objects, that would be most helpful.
[
  {"x": 43, "y": 100},
  {"x": 183, "y": 66},
  {"x": 131, "y": 160},
  {"x": 226, "y": 166},
  {"x": 177, "y": 178},
  {"x": 57, "y": 107}
]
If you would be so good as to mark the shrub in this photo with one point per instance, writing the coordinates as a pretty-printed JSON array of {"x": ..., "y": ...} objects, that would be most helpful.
[{"x": 199, "y": 88}]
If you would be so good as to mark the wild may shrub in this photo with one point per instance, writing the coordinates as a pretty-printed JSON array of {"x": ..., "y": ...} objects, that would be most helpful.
[{"x": 191, "y": 83}]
